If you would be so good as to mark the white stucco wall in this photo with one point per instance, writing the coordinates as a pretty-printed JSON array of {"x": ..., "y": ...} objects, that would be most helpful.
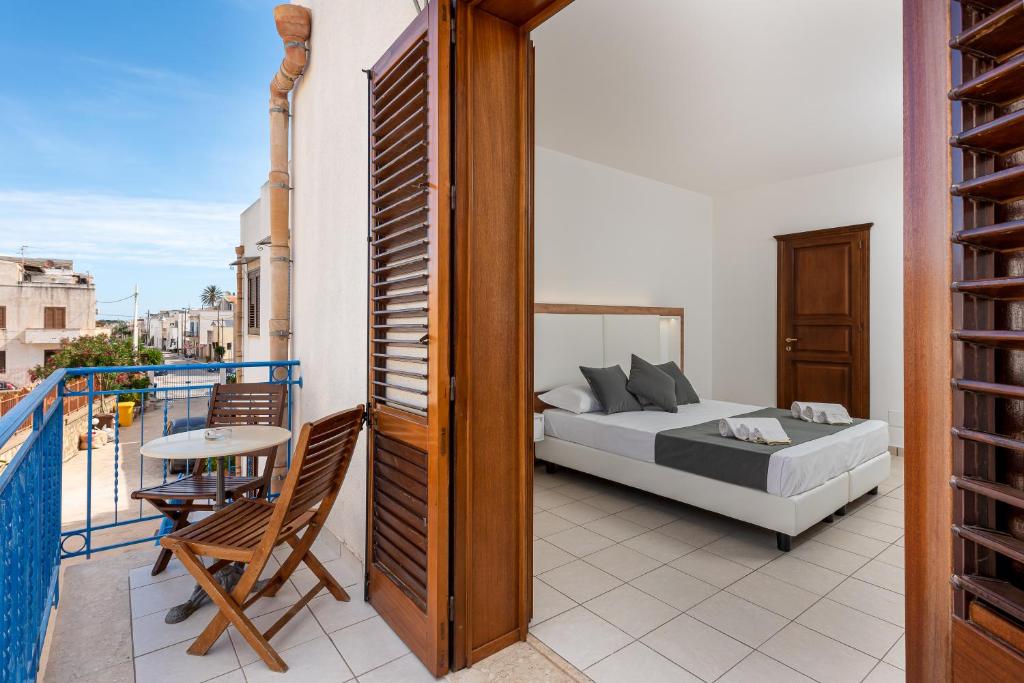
[
  {"x": 255, "y": 226},
  {"x": 329, "y": 218},
  {"x": 745, "y": 277},
  {"x": 604, "y": 236}
]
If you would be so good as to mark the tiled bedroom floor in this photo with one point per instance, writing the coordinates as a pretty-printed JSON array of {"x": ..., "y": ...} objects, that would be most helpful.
[{"x": 633, "y": 587}]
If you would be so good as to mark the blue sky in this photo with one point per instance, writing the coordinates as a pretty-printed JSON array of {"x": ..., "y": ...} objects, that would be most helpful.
[{"x": 133, "y": 133}]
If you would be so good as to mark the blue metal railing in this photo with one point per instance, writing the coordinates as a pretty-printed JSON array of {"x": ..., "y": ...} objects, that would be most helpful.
[
  {"x": 36, "y": 496},
  {"x": 30, "y": 489}
]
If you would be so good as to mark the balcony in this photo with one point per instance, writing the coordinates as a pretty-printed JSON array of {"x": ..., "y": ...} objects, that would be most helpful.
[{"x": 53, "y": 336}]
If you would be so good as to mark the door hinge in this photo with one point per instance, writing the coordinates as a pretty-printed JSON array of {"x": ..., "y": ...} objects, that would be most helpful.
[
  {"x": 452, "y": 27},
  {"x": 452, "y": 196},
  {"x": 451, "y": 388},
  {"x": 451, "y": 608}
]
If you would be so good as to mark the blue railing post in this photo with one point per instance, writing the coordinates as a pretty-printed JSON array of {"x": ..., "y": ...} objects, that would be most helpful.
[{"x": 90, "y": 397}]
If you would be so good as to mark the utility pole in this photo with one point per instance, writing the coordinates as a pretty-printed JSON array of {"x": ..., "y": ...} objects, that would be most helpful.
[{"x": 135, "y": 323}]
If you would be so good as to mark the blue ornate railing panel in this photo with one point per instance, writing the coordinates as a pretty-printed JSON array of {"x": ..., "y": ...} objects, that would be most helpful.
[{"x": 30, "y": 488}]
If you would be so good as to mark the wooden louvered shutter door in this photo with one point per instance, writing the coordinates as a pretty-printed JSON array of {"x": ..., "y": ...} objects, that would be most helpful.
[
  {"x": 409, "y": 349},
  {"x": 988, "y": 317}
]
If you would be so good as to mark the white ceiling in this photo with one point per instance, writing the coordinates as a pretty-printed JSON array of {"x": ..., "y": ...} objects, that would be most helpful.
[{"x": 714, "y": 95}]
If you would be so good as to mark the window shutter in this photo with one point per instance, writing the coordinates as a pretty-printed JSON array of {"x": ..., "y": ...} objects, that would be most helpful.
[
  {"x": 408, "y": 361},
  {"x": 988, "y": 302}
]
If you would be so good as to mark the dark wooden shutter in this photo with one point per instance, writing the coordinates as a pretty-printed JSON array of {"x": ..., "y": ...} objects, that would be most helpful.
[
  {"x": 988, "y": 316},
  {"x": 53, "y": 318},
  {"x": 409, "y": 348}
]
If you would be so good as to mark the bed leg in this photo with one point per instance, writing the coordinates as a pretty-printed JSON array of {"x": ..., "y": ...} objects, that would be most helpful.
[
  {"x": 873, "y": 492},
  {"x": 551, "y": 468},
  {"x": 784, "y": 542},
  {"x": 841, "y": 511},
  {"x": 829, "y": 519}
]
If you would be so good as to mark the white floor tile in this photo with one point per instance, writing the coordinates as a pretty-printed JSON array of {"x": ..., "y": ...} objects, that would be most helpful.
[
  {"x": 580, "y": 581},
  {"x": 893, "y": 555},
  {"x": 161, "y": 596},
  {"x": 869, "y": 528},
  {"x": 817, "y": 656},
  {"x": 884, "y": 673},
  {"x": 647, "y": 516},
  {"x": 750, "y": 550},
  {"x": 823, "y": 555},
  {"x": 897, "y": 655},
  {"x": 579, "y": 512},
  {"x": 581, "y": 637},
  {"x": 150, "y": 633},
  {"x": 611, "y": 502},
  {"x": 711, "y": 568},
  {"x": 368, "y": 645},
  {"x": 637, "y": 663},
  {"x": 235, "y": 676},
  {"x": 581, "y": 489},
  {"x": 579, "y": 541},
  {"x": 141, "y": 576},
  {"x": 760, "y": 668},
  {"x": 869, "y": 598},
  {"x": 615, "y": 528},
  {"x": 883, "y": 575},
  {"x": 802, "y": 574},
  {"x": 693, "y": 533},
  {"x": 878, "y": 514},
  {"x": 550, "y": 498},
  {"x": 334, "y": 615},
  {"x": 316, "y": 660},
  {"x": 301, "y": 629},
  {"x": 547, "y": 602},
  {"x": 696, "y": 647},
  {"x": 547, "y": 557},
  {"x": 346, "y": 570},
  {"x": 669, "y": 585},
  {"x": 852, "y": 542},
  {"x": 546, "y": 524},
  {"x": 896, "y": 493},
  {"x": 622, "y": 562},
  {"x": 407, "y": 669},
  {"x": 899, "y": 541},
  {"x": 174, "y": 665},
  {"x": 772, "y": 594},
  {"x": 632, "y": 610},
  {"x": 659, "y": 546},
  {"x": 856, "y": 629},
  {"x": 734, "y": 616},
  {"x": 889, "y": 503}
]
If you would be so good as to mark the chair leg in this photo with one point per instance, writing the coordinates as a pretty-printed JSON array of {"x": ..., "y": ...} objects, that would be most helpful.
[
  {"x": 230, "y": 610},
  {"x": 320, "y": 571},
  {"x": 291, "y": 563},
  {"x": 179, "y": 521}
]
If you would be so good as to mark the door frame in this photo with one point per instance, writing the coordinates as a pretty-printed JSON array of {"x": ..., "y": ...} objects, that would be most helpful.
[{"x": 861, "y": 405}]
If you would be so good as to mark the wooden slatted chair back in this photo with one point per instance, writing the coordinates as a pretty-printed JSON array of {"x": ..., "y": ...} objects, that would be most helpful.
[
  {"x": 319, "y": 465},
  {"x": 252, "y": 403}
]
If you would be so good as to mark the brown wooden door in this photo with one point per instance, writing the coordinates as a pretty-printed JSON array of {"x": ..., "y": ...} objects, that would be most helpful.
[
  {"x": 823, "y": 317},
  {"x": 409, "y": 348}
]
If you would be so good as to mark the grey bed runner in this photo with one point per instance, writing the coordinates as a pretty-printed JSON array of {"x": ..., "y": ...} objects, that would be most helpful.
[{"x": 700, "y": 449}]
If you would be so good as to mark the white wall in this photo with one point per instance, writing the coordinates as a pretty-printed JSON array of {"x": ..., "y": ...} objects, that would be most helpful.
[
  {"x": 744, "y": 283},
  {"x": 255, "y": 226},
  {"x": 604, "y": 236},
  {"x": 329, "y": 219}
]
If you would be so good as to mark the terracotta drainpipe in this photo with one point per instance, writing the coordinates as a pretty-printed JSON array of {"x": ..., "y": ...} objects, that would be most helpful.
[
  {"x": 293, "y": 25},
  {"x": 241, "y": 304}
]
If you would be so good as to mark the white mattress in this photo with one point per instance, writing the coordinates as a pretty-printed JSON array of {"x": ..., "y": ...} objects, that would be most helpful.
[{"x": 791, "y": 470}]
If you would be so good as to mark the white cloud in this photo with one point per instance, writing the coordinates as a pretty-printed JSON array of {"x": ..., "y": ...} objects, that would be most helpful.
[{"x": 109, "y": 228}]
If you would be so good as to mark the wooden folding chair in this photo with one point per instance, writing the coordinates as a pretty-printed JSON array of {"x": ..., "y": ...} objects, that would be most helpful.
[
  {"x": 230, "y": 404},
  {"x": 248, "y": 530}
]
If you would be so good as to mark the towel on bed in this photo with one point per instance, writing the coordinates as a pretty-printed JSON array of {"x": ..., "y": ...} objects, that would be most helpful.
[
  {"x": 764, "y": 430},
  {"x": 822, "y": 413}
]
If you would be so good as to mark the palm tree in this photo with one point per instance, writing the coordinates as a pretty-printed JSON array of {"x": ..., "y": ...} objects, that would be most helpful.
[{"x": 211, "y": 296}]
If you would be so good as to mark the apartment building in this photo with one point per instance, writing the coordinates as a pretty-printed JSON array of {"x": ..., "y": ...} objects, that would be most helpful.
[{"x": 42, "y": 302}]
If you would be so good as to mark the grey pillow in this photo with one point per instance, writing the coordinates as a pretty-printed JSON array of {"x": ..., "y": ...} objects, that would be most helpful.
[
  {"x": 654, "y": 387},
  {"x": 684, "y": 390},
  {"x": 609, "y": 385}
]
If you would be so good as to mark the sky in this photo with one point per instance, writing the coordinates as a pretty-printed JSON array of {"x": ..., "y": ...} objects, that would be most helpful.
[{"x": 132, "y": 135}]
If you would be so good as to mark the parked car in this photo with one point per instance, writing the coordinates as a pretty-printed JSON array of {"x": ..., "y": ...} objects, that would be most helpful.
[{"x": 7, "y": 386}]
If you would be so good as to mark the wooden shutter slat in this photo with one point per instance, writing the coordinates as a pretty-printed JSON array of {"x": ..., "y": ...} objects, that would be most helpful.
[
  {"x": 992, "y": 288},
  {"x": 997, "y": 34},
  {"x": 1001, "y": 492},
  {"x": 1002, "y": 339},
  {"x": 1000, "y": 85},
  {"x": 1000, "y": 186},
  {"x": 1006, "y": 236}
]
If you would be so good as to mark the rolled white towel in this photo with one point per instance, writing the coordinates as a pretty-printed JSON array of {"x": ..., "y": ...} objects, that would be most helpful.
[
  {"x": 734, "y": 427},
  {"x": 803, "y": 411},
  {"x": 830, "y": 413},
  {"x": 766, "y": 430}
]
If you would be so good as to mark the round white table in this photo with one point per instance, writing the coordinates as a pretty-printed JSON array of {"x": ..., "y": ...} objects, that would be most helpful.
[{"x": 239, "y": 440}]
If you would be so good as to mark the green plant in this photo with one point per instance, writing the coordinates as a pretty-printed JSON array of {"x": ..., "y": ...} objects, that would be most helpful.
[
  {"x": 100, "y": 351},
  {"x": 211, "y": 296},
  {"x": 218, "y": 352}
]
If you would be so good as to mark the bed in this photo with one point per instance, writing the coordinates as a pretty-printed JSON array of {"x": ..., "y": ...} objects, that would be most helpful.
[{"x": 804, "y": 484}]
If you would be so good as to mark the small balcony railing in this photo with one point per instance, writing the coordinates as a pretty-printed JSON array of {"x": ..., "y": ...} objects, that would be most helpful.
[{"x": 59, "y": 502}]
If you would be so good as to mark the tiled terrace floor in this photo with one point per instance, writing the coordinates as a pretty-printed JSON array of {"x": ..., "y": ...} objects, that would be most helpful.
[{"x": 632, "y": 587}]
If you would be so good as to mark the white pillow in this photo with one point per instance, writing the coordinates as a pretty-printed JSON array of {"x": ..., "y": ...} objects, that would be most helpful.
[{"x": 576, "y": 398}]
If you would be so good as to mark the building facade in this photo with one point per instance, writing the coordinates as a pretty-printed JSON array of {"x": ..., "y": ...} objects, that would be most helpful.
[{"x": 42, "y": 302}]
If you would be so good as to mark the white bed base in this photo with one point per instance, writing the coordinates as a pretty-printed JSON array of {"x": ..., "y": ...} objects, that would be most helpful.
[{"x": 787, "y": 516}]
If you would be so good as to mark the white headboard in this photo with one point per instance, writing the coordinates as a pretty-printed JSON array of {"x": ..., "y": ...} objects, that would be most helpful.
[{"x": 567, "y": 336}]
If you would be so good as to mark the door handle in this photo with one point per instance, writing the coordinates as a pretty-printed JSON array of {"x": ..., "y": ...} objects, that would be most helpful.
[{"x": 789, "y": 340}]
